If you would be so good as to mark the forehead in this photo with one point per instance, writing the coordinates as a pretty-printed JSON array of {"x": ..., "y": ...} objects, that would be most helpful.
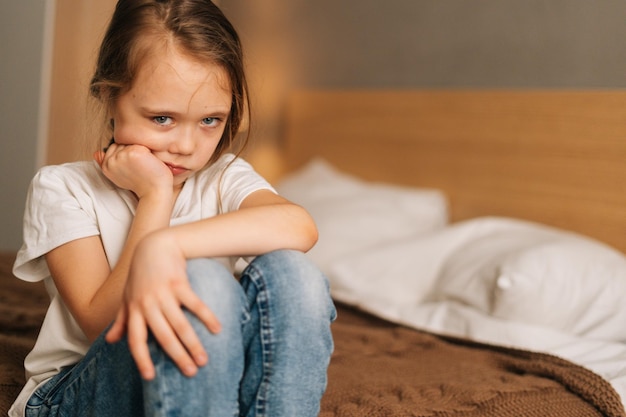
[{"x": 175, "y": 73}]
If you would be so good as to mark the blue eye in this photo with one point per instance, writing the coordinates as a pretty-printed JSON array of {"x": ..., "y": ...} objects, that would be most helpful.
[
  {"x": 209, "y": 121},
  {"x": 162, "y": 120}
]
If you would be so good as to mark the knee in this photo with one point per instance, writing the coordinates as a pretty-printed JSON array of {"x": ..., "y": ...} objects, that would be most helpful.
[
  {"x": 214, "y": 284},
  {"x": 288, "y": 263},
  {"x": 296, "y": 285}
]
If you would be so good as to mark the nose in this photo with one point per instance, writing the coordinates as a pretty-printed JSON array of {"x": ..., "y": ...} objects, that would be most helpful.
[{"x": 183, "y": 141}]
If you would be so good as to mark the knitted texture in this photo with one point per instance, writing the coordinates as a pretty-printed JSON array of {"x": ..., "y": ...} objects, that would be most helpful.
[{"x": 381, "y": 369}]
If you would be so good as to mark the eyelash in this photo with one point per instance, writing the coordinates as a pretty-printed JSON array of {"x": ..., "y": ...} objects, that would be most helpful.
[
  {"x": 212, "y": 121},
  {"x": 162, "y": 120}
]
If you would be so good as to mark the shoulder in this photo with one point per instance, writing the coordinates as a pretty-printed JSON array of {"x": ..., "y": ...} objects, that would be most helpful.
[
  {"x": 69, "y": 168},
  {"x": 65, "y": 193},
  {"x": 73, "y": 177},
  {"x": 60, "y": 208},
  {"x": 71, "y": 172},
  {"x": 233, "y": 179}
]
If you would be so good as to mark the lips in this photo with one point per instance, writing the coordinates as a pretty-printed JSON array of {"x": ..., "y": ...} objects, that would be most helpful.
[{"x": 176, "y": 170}]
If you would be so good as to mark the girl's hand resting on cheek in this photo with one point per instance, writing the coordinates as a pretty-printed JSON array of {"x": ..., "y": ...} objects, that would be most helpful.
[
  {"x": 156, "y": 292},
  {"x": 134, "y": 168}
]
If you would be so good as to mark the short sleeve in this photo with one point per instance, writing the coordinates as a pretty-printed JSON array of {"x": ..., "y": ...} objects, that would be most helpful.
[
  {"x": 58, "y": 210},
  {"x": 238, "y": 181}
]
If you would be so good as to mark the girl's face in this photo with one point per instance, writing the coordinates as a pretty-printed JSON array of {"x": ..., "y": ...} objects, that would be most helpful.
[{"x": 177, "y": 108}]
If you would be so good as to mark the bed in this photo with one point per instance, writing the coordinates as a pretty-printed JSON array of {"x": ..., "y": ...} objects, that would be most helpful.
[{"x": 474, "y": 242}]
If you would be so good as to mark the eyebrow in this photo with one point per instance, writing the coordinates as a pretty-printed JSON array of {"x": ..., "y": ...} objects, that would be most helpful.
[{"x": 219, "y": 112}]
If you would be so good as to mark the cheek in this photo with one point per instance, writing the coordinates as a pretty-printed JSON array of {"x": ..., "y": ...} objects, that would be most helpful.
[
  {"x": 132, "y": 134},
  {"x": 209, "y": 146},
  {"x": 207, "y": 149},
  {"x": 123, "y": 131}
]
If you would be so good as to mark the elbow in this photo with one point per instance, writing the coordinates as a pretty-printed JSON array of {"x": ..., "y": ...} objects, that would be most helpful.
[
  {"x": 91, "y": 335},
  {"x": 312, "y": 235},
  {"x": 308, "y": 234},
  {"x": 91, "y": 329}
]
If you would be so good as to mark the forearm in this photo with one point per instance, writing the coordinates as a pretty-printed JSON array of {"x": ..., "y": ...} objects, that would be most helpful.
[
  {"x": 246, "y": 232},
  {"x": 152, "y": 213}
]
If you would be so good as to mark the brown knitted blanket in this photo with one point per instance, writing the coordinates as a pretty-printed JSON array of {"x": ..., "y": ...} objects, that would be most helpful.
[
  {"x": 381, "y": 369},
  {"x": 378, "y": 369}
]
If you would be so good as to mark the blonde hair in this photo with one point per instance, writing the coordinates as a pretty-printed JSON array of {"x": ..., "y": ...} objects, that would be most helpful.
[{"x": 198, "y": 28}]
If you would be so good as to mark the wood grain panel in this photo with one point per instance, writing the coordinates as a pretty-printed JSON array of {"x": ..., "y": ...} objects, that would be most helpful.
[
  {"x": 78, "y": 30},
  {"x": 557, "y": 157}
]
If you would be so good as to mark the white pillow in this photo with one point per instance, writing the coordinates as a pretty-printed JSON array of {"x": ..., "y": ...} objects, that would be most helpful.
[
  {"x": 405, "y": 272},
  {"x": 352, "y": 214},
  {"x": 535, "y": 274},
  {"x": 391, "y": 276},
  {"x": 469, "y": 273},
  {"x": 572, "y": 284}
]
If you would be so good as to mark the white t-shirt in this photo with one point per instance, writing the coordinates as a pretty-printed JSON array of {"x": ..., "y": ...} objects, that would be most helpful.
[{"x": 75, "y": 200}]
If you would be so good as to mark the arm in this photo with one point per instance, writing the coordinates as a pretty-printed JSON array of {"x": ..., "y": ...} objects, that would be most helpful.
[
  {"x": 264, "y": 222},
  {"x": 81, "y": 273},
  {"x": 93, "y": 292},
  {"x": 158, "y": 285}
]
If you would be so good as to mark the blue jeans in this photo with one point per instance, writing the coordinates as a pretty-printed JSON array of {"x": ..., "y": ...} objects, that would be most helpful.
[{"x": 270, "y": 359}]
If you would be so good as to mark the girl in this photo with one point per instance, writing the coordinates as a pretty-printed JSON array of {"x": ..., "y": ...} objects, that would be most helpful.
[{"x": 146, "y": 236}]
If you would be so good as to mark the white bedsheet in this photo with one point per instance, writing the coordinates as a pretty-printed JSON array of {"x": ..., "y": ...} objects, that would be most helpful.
[{"x": 451, "y": 282}]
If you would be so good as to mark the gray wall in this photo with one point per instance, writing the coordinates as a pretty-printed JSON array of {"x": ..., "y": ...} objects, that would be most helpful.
[
  {"x": 21, "y": 43},
  {"x": 425, "y": 44},
  {"x": 440, "y": 43}
]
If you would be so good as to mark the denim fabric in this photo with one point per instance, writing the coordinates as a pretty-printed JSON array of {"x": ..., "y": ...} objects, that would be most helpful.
[{"x": 270, "y": 359}]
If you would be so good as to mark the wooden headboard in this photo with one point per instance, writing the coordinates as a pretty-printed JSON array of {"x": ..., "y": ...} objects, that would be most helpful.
[{"x": 553, "y": 156}]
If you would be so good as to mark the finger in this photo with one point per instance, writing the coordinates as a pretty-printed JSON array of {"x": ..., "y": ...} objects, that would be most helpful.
[
  {"x": 168, "y": 340},
  {"x": 186, "y": 334},
  {"x": 194, "y": 304},
  {"x": 138, "y": 344},
  {"x": 118, "y": 328}
]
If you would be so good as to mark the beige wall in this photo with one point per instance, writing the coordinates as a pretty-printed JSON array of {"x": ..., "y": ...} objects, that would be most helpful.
[{"x": 79, "y": 26}]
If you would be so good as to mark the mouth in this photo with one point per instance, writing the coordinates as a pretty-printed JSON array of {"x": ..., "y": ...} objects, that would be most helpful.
[{"x": 176, "y": 170}]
